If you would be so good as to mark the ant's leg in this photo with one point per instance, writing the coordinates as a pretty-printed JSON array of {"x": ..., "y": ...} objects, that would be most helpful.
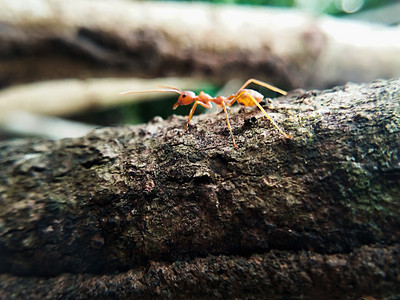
[
  {"x": 229, "y": 125},
  {"x": 206, "y": 105},
  {"x": 189, "y": 117},
  {"x": 264, "y": 84},
  {"x": 237, "y": 97},
  {"x": 264, "y": 112},
  {"x": 232, "y": 99}
]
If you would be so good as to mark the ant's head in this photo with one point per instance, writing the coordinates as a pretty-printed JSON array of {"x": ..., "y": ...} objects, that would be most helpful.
[{"x": 185, "y": 98}]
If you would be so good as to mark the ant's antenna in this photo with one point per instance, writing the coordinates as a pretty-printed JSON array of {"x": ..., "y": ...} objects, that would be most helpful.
[{"x": 166, "y": 89}]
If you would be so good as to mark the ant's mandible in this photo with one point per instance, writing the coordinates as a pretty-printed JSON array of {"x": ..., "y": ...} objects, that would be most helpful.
[{"x": 243, "y": 96}]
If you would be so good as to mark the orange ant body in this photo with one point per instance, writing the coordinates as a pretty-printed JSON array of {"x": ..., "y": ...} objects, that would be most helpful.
[{"x": 245, "y": 97}]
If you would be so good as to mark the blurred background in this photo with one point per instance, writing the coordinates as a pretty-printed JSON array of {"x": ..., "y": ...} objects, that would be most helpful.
[{"x": 64, "y": 63}]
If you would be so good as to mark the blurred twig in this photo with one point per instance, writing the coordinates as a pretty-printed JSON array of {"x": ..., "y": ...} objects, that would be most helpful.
[
  {"x": 29, "y": 124},
  {"x": 83, "y": 38},
  {"x": 25, "y": 109},
  {"x": 63, "y": 97}
]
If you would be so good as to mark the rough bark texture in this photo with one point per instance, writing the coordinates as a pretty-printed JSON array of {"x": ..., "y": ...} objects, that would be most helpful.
[{"x": 144, "y": 212}]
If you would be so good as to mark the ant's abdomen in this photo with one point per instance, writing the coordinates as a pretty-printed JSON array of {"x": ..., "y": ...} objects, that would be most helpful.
[{"x": 245, "y": 97}]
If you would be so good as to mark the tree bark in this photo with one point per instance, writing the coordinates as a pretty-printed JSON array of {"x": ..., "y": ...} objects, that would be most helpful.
[{"x": 143, "y": 212}]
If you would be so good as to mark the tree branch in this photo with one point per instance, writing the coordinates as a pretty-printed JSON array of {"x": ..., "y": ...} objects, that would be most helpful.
[
  {"x": 148, "y": 212},
  {"x": 84, "y": 39}
]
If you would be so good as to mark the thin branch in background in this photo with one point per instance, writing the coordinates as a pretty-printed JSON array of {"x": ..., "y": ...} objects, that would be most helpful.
[
  {"x": 286, "y": 47},
  {"x": 29, "y": 124}
]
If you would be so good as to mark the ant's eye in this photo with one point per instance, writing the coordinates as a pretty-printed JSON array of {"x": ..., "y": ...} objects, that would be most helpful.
[{"x": 183, "y": 95}]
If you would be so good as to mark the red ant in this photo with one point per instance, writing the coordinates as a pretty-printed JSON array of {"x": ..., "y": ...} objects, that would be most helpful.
[{"x": 246, "y": 97}]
